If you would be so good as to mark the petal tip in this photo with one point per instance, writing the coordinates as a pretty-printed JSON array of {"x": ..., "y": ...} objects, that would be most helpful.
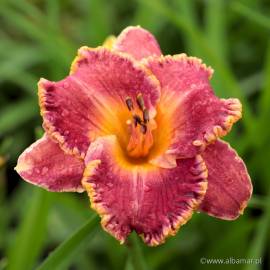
[
  {"x": 22, "y": 167},
  {"x": 230, "y": 187},
  {"x": 233, "y": 109},
  {"x": 109, "y": 42},
  {"x": 38, "y": 165},
  {"x": 77, "y": 59},
  {"x": 137, "y": 42},
  {"x": 199, "y": 172},
  {"x": 45, "y": 87}
]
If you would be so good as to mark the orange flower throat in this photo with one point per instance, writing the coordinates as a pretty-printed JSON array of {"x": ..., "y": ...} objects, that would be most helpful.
[{"x": 140, "y": 128}]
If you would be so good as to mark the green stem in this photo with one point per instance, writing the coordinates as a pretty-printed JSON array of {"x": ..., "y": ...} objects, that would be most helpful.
[
  {"x": 135, "y": 253},
  {"x": 65, "y": 251}
]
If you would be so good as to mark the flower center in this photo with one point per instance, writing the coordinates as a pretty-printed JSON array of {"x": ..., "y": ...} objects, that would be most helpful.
[{"x": 140, "y": 128}]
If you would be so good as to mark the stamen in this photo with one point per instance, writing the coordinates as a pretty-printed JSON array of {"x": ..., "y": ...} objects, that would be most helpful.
[
  {"x": 129, "y": 103},
  {"x": 146, "y": 116},
  {"x": 140, "y": 128},
  {"x": 140, "y": 102},
  {"x": 137, "y": 120},
  {"x": 143, "y": 128}
]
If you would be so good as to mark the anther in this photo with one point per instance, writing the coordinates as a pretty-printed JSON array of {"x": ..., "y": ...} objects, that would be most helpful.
[
  {"x": 140, "y": 101},
  {"x": 137, "y": 119},
  {"x": 143, "y": 128},
  {"x": 146, "y": 116},
  {"x": 129, "y": 103}
]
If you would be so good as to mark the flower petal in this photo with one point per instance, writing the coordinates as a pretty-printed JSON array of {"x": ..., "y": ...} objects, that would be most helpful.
[
  {"x": 229, "y": 185},
  {"x": 109, "y": 41},
  {"x": 44, "y": 164},
  {"x": 137, "y": 42},
  {"x": 152, "y": 201},
  {"x": 189, "y": 110},
  {"x": 90, "y": 102}
]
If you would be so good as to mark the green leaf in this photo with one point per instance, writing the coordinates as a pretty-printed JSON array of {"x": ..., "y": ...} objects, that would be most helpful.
[
  {"x": 142, "y": 18},
  {"x": 19, "y": 60},
  {"x": 252, "y": 83},
  {"x": 97, "y": 23},
  {"x": 3, "y": 206},
  {"x": 188, "y": 13},
  {"x": 26, "y": 80},
  {"x": 251, "y": 14},
  {"x": 53, "y": 12},
  {"x": 64, "y": 253},
  {"x": 264, "y": 101},
  {"x": 216, "y": 27},
  {"x": 17, "y": 113},
  {"x": 31, "y": 232},
  {"x": 53, "y": 43},
  {"x": 259, "y": 242}
]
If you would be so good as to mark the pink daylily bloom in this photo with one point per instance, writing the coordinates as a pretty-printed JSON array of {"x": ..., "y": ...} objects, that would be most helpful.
[{"x": 140, "y": 132}]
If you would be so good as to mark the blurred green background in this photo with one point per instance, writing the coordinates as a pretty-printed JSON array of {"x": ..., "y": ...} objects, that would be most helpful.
[{"x": 39, "y": 38}]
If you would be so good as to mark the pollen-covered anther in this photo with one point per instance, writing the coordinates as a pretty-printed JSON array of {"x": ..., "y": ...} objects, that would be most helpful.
[
  {"x": 146, "y": 116},
  {"x": 140, "y": 102},
  {"x": 137, "y": 120},
  {"x": 129, "y": 103},
  {"x": 143, "y": 128}
]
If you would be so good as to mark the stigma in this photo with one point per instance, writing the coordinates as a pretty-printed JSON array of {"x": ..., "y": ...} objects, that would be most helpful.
[{"x": 139, "y": 127}]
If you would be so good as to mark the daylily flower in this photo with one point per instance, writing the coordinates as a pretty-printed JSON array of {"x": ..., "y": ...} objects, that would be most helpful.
[{"x": 139, "y": 132}]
